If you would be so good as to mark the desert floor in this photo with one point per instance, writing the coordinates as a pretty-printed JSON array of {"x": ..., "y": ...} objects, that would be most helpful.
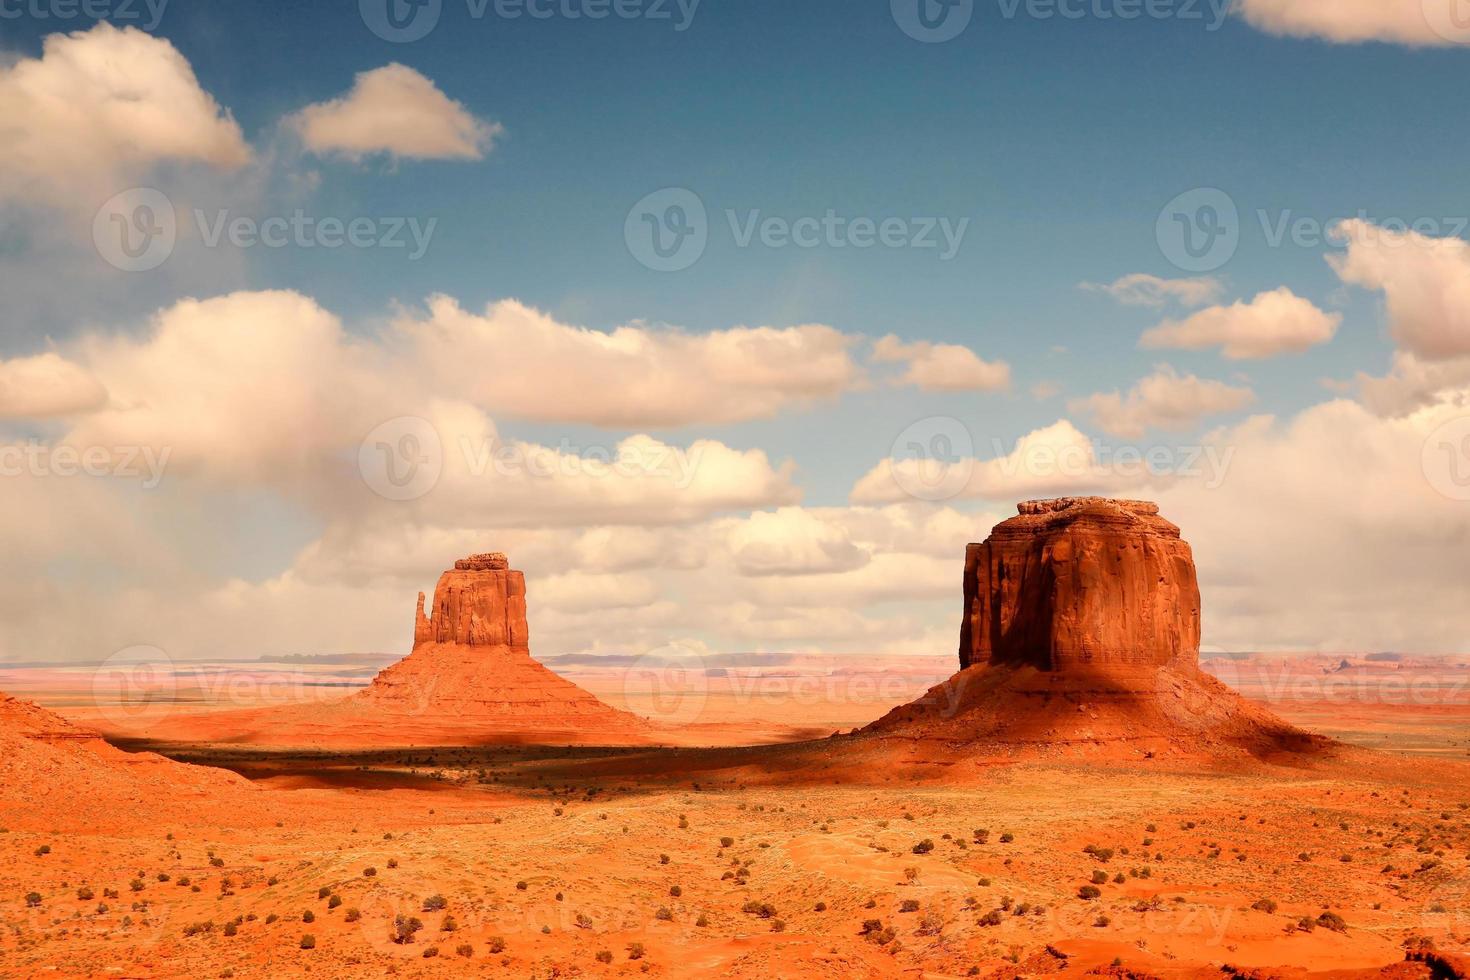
[{"x": 764, "y": 862}]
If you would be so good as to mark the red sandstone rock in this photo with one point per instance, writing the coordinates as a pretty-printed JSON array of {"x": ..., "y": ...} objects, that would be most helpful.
[
  {"x": 469, "y": 680},
  {"x": 1081, "y": 636},
  {"x": 1108, "y": 585}
]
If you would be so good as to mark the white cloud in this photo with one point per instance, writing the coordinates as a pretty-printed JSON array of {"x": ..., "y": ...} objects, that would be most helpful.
[
  {"x": 98, "y": 109},
  {"x": 47, "y": 385},
  {"x": 1412, "y": 22},
  {"x": 396, "y": 111},
  {"x": 1163, "y": 400},
  {"x": 636, "y": 375},
  {"x": 793, "y": 541},
  {"x": 942, "y": 367},
  {"x": 1328, "y": 533},
  {"x": 1141, "y": 289},
  {"x": 1053, "y": 461},
  {"x": 1426, "y": 282},
  {"x": 1275, "y": 322}
]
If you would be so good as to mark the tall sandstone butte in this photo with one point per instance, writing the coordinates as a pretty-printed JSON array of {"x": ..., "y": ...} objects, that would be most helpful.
[
  {"x": 1082, "y": 582},
  {"x": 1080, "y": 636}
]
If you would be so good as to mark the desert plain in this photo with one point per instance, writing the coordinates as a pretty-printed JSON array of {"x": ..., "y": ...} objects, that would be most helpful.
[{"x": 1032, "y": 815}]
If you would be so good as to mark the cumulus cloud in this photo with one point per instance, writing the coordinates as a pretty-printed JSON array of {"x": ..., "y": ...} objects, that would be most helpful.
[
  {"x": 1316, "y": 493},
  {"x": 1053, "y": 461},
  {"x": 1426, "y": 282},
  {"x": 1412, "y": 22},
  {"x": 1141, "y": 289},
  {"x": 636, "y": 375},
  {"x": 1275, "y": 322},
  {"x": 396, "y": 111},
  {"x": 47, "y": 385},
  {"x": 942, "y": 367},
  {"x": 792, "y": 541},
  {"x": 1163, "y": 400},
  {"x": 98, "y": 109}
]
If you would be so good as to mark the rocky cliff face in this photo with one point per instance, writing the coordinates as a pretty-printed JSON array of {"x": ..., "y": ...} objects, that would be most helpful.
[
  {"x": 1082, "y": 583},
  {"x": 481, "y": 602}
]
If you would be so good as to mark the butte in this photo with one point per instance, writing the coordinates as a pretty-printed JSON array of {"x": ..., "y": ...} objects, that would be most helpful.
[
  {"x": 469, "y": 680},
  {"x": 1080, "y": 637}
]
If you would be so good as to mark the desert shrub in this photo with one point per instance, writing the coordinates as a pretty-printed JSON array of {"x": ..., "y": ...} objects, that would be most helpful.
[
  {"x": 33, "y": 899},
  {"x": 909, "y": 905},
  {"x": 663, "y": 859},
  {"x": 763, "y": 909},
  {"x": 85, "y": 894},
  {"x": 431, "y": 952},
  {"x": 521, "y": 886},
  {"x": 820, "y": 907},
  {"x": 676, "y": 891},
  {"x": 43, "y": 850},
  {"x": 352, "y": 915},
  {"x": 392, "y": 862},
  {"x": 604, "y": 956},
  {"x": 404, "y": 928},
  {"x": 1099, "y": 877},
  {"x": 308, "y": 941},
  {"x": 448, "y": 924},
  {"x": 982, "y": 836},
  {"x": 272, "y": 918},
  {"x": 1266, "y": 905},
  {"x": 217, "y": 862},
  {"x": 308, "y": 916},
  {"x": 1332, "y": 921},
  {"x": 1089, "y": 892},
  {"x": 930, "y": 925},
  {"x": 136, "y": 884},
  {"x": 465, "y": 950},
  {"x": 702, "y": 921},
  {"x": 924, "y": 846},
  {"x": 1102, "y": 922},
  {"x": 334, "y": 901},
  {"x": 369, "y": 872},
  {"x": 323, "y": 892},
  {"x": 727, "y": 842},
  {"x": 1007, "y": 838},
  {"x": 1103, "y": 854},
  {"x": 231, "y": 929},
  {"x": 663, "y": 914},
  {"x": 991, "y": 918},
  {"x": 496, "y": 944},
  {"x": 635, "y": 951},
  {"x": 435, "y": 903}
]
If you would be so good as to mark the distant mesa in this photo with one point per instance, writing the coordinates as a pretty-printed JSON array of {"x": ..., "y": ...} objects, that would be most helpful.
[
  {"x": 1081, "y": 635},
  {"x": 469, "y": 680}
]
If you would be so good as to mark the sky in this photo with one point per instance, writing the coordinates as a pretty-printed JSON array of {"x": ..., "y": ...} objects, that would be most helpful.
[{"x": 731, "y": 322}]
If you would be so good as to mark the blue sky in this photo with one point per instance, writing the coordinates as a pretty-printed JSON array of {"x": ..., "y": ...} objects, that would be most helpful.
[{"x": 1057, "y": 140}]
